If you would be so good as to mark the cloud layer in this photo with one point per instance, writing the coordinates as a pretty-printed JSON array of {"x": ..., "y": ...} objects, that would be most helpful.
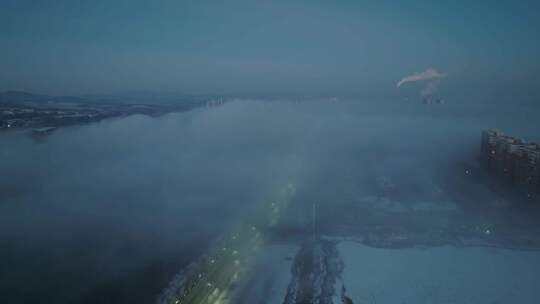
[{"x": 114, "y": 209}]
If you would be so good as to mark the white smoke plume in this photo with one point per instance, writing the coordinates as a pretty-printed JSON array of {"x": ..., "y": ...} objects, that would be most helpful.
[
  {"x": 428, "y": 74},
  {"x": 430, "y": 88}
]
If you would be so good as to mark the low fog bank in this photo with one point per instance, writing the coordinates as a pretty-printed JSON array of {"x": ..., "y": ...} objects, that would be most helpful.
[{"x": 108, "y": 212}]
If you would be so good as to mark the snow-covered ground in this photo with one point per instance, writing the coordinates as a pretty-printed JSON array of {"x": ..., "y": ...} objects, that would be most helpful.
[{"x": 440, "y": 275}]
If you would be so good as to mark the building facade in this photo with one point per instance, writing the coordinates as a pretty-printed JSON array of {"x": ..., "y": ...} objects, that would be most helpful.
[{"x": 512, "y": 159}]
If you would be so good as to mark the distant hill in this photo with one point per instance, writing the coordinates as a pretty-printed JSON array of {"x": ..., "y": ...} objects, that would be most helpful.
[
  {"x": 135, "y": 97},
  {"x": 19, "y": 96}
]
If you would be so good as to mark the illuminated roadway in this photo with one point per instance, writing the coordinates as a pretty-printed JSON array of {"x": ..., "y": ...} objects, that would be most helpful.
[{"x": 223, "y": 269}]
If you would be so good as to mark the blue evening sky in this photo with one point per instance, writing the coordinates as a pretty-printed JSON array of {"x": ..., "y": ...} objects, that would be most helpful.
[{"x": 266, "y": 47}]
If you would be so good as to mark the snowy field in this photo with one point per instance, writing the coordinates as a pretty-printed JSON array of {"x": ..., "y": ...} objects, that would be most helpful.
[{"x": 440, "y": 275}]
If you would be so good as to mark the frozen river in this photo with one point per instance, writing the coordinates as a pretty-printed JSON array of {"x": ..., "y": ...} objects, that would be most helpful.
[{"x": 440, "y": 275}]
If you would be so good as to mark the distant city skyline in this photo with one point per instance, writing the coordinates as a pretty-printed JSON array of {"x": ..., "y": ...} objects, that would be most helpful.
[{"x": 268, "y": 47}]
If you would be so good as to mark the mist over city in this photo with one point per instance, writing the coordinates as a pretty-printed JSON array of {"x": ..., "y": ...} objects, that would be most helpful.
[{"x": 274, "y": 152}]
